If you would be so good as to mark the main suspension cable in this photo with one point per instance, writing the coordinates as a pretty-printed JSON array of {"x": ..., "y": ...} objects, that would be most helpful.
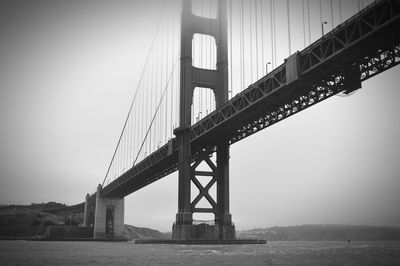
[
  {"x": 135, "y": 95},
  {"x": 155, "y": 113}
]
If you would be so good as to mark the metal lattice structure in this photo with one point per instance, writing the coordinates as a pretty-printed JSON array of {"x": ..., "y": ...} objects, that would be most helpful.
[{"x": 363, "y": 46}]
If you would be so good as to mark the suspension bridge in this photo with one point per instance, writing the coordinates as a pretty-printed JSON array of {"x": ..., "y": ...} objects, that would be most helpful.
[{"x": 215, "y": 75}]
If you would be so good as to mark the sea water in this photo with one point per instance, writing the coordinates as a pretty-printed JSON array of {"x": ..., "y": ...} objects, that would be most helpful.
[{"x": 129, "y": 253}]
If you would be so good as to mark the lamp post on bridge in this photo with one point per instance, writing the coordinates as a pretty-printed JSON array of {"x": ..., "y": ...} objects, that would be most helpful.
[
  {"x": 268, "y": 63},
  {"x": 322, "y": 26}
]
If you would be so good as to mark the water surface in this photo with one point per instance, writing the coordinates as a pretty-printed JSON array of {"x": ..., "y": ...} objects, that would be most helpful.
[{"x": 128, "y": 253}]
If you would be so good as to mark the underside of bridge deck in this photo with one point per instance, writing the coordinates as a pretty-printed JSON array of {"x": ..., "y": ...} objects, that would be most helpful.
[{"x": 356, "y": 50}]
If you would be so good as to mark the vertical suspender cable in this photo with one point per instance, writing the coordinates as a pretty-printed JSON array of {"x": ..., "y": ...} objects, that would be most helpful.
[
  {"x": 161, "y": 85},
  {"x": 127, "y": 144},
  {"x": 134, "y": 98},
  {"x": 320, "y": 11},
  {"x": 177, "y": 91},
  {"x": 166, "y": 71},
  {"x": 272, "y": 34},
  {"x": 158, "y": 84},
  {"x": 273, "y": 3},
  {"x": 126, "y": 135},
  {"x": 172, "y": 79},
  {"x": 207, "y": 66},
  {"x": 157, "y": 120},
  {"x": 230, "y": 89},
  {"x": 331, "y": 14},
  {"x": 121, "y": 155},
  {"x": 125, "y": 148},
  {"x": 304, "y": 24},
  {"x": 139, "y": 113},
  {"x": 263, "y": 62},
  {"x": 133, "y": 134},
  {"x": 212, "y": 59},
  {"x": 143, "y": 105},
  {"x": 155, "y": 129},
  {"x": 150, "y": 107},
  {"x": 309, "y": 23},
  {"x": 155, "y": 113},
  {"x": 147, "y": 103},
  {"x": 340, "y": 11},
  {"x": 202, "y": 64},
  {"x": 208, "y": 93},
  {"x": 142, "y": 110},
  {"x": 320, "y": 17},
  {"x": 200, "y": 103},
  {"x": 256, "y": 16},
  {"x": 210, "y": 39},
  {"x": 202, "y": 53},
  {"x": 251, "y": 42},
  {"x": 242, "y": 48},
  {"x": 288, "y": 17},
  {"x": 201, "y": 46}
]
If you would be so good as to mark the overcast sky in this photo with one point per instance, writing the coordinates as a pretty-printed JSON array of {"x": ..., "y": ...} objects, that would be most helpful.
[{"x": 68, "y": 70}]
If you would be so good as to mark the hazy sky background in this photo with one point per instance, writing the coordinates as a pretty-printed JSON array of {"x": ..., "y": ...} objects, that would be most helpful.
[{"x": 68, "y": 70}]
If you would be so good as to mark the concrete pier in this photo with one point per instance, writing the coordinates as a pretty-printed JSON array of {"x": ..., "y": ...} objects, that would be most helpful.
[{"x": 109, "y": 217}]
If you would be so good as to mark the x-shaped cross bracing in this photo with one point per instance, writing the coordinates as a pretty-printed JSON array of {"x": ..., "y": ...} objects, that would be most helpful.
[{"x": 204, "y": 190}]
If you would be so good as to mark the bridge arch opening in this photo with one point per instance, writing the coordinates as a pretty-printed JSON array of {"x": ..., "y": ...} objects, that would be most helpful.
[
  {"x": 203, "y": 103},
  {"x": 205, "y": 8},
  {"x": 204, "y": 51},
  {"x": 207, "y": 218}
]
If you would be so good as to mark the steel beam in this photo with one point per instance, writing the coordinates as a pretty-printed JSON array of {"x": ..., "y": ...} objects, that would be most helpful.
[{"x": 368, "y": 41}]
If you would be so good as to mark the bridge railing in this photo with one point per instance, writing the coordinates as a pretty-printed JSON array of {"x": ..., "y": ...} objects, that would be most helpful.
[
  {"x": 155, "y": 166},
  {"x": 273, "y": 98},
  {"x": 347, "y": 47}
]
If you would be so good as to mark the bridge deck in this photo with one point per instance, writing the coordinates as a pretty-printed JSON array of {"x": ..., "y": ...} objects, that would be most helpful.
[{"x": 361, "y": 47}]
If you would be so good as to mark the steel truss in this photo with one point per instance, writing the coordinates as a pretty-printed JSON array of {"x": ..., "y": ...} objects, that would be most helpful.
[
  {"x": 362, "y": 47},
  {"x": 369, "y": 42},
  {"x": 204, "y": 156}
]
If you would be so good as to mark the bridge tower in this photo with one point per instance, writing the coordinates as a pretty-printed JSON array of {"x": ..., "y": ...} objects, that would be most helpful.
[{"x": 216, "y": 80}]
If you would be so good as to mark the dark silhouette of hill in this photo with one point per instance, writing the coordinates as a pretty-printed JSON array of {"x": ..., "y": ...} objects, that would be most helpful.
[
  {"x": 30, "y": 221},
  {"x": 27, "y": 221}
]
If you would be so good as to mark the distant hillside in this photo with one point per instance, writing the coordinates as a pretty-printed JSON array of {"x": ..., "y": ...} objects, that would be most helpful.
[
  {"x": 33, "y": 206},
  {"x": 26, "y": 221},
  {"x": 323, "y": 233},
  {"x": 132, "y": 232}
]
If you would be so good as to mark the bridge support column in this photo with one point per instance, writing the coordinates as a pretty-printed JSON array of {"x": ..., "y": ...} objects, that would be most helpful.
[
  {"x": 224, "y": 226},
  {"x": 183, "y": 227},
  {"x": 86, "y": 211},
  {"x": 217, "y": 81},
  {"x": 109, "y": 217}
]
